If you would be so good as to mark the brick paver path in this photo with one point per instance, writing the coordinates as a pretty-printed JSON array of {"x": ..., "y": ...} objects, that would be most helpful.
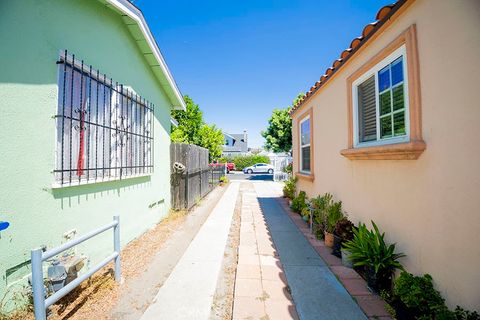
[
  {"x": 261, "y": 290},
  {"x": 280, "y": 274}
]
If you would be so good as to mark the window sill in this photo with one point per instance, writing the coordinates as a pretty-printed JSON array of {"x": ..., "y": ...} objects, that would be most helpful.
[
  {"x": 84, "y": 182},
  {"x": 305, "y": 176},
  {"x": 400, "y": 151}
]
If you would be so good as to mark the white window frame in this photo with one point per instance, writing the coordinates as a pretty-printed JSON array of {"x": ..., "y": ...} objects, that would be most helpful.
[
  {"x": 400, "y": 52},
  {"x": 306, "y": 145}
]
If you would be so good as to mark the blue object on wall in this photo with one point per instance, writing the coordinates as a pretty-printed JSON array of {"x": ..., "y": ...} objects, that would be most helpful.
[{"x": 4, "y": 225}]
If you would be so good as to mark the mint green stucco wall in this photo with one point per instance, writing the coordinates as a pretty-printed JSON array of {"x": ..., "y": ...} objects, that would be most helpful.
[{"x": 31, "y": 35}]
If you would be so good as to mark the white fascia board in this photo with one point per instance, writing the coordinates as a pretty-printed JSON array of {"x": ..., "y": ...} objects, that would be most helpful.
[
  {"x": 174, "y": 122},
  {"x": 134, "y": 13},
  {"x": 228, "y": 135}
]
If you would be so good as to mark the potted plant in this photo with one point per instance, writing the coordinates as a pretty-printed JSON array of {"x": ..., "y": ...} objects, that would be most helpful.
[
  {"x": 319, "y": 206},
  {"x": 379, "y": 261},
  {"x": 306, "y": 214},
  {"x": 334, "y": 213},
  {"x": 300, "y": 202},
  {"x": 343, "y": 232},
  {"x": 290, "y": 188}
]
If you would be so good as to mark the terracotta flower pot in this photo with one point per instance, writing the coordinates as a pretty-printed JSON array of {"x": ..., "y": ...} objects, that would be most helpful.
[{"x": 328, "y": 239}]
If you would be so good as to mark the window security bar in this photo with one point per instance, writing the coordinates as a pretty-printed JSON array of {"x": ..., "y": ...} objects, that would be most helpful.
[
  {"x": 104, "y": 130},
  {"x": 40, "y": 304}
]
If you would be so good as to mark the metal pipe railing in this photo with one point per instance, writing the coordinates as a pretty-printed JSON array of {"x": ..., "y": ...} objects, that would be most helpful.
[{"x": 38, "y": 256}]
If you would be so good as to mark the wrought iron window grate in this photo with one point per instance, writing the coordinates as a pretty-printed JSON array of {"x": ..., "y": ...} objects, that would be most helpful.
[{"x": 104, "y": 130}]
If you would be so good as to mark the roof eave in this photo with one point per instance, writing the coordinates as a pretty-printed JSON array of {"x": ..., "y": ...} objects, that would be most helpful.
[
  {"x": 383, "y": 15},
  {"x": 164, "y": 76}
]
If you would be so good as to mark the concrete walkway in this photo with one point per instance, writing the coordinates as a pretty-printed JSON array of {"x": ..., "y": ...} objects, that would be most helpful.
[
  {"x": 188, "y": 291},
  {"x": 316, "y": 291}
]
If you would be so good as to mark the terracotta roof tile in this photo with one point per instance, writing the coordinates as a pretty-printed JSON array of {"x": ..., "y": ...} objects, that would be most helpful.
[
  {"x": 382, "y": 15},
  {"x": 384, "y": 11}
]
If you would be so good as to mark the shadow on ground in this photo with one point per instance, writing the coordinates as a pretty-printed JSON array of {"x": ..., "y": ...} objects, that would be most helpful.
[{"x": 251, "y": 177}]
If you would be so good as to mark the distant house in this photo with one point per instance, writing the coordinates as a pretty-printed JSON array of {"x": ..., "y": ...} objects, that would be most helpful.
[
  {"x": 235, "y": 144},
  {"x": 391, "y": 129},
  {"x": 85, "y": 127}
]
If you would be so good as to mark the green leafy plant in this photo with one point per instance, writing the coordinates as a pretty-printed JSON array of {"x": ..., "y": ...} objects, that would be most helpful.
[
  {"x": 288, "y": 168},
  {"x": 462, "y": 314},
  {"x": 290, "y": 187},
  {"x": 306, "y": 213},
  {"x": 344, "y": 229},
  {"x": 418, "y": 294},
  {"x": 223, "y": 179},
  {"x": 334, "y": 213},
  {"x": 320, "y": 206},
  {"x": 299, "y": 202},
  {"x": 422, "y": 301},
  {"x": 369, "y": 250}
]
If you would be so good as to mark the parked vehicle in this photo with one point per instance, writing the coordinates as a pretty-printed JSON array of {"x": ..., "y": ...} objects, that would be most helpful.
[
  {"x": 259, "y": 168},
  {"x": 229, "y": 165}
]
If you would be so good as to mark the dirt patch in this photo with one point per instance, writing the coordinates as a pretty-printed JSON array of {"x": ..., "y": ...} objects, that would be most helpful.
[{"x": 222, "y": 306}]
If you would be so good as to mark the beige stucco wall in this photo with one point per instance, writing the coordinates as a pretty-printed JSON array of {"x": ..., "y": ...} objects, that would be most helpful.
[{"x": 429, "y": 206}]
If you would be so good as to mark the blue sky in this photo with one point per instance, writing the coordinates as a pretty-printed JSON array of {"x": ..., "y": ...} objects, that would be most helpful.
[{"x": 241, "y": 59}]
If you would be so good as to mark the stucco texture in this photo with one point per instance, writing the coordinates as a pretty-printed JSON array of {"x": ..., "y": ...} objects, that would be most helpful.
[
  {"x": 32, "y": 33},
  {"x": 430, "y": 206}
]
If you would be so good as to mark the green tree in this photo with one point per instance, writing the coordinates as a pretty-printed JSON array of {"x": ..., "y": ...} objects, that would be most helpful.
[
  {"x": 192, "y": 129},
  {"x": 278, "y": 136},
  {"x": 189, "y": 122},
  {"x": 211, "y": 137}
]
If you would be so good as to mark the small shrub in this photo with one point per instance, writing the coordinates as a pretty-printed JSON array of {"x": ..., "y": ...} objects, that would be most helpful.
[
  {"x": 299, "y": 202},
  {"x": 320, "y": 206},
  {"x": 288, "y": 168},
  {"x": 290, "y": 188},
  {"x": 334, "y": 213},
  {"x": 462, "y": 314},
  {"x": 305, "y": 213},
  {"x": 344, "y": 229},
  {"x": 242, "y": 162},
  {"x": 418, "y": 295},
  {"x": 223, "y": 179}
]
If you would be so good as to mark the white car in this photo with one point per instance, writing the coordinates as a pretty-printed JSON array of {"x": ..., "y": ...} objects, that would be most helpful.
[{"x": 259, "y": 168}]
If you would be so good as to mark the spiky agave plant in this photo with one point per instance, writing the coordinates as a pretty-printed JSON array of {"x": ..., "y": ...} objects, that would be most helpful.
[{"x": 368, "y": 248}]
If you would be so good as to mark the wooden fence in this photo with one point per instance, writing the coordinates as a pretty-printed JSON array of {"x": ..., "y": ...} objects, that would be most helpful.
[{"x": 191, "y": 176}]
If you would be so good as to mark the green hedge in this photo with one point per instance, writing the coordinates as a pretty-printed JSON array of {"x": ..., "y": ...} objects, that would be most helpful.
[{"x": 242, "y": 162}]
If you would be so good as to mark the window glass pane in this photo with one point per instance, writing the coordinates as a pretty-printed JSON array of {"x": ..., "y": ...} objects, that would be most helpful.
[
  {"x": 386, "y": 127},
  {"x": 306, "y": 158},
  {"x": 399, "y": 123},
  {"x": 384, "y": 79},
  {"x": 305, "y": 132},
  {"x": 397, "y": 71},
  {"x": 398, "y": 101},
  {"x": 385, "y": 103}
]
